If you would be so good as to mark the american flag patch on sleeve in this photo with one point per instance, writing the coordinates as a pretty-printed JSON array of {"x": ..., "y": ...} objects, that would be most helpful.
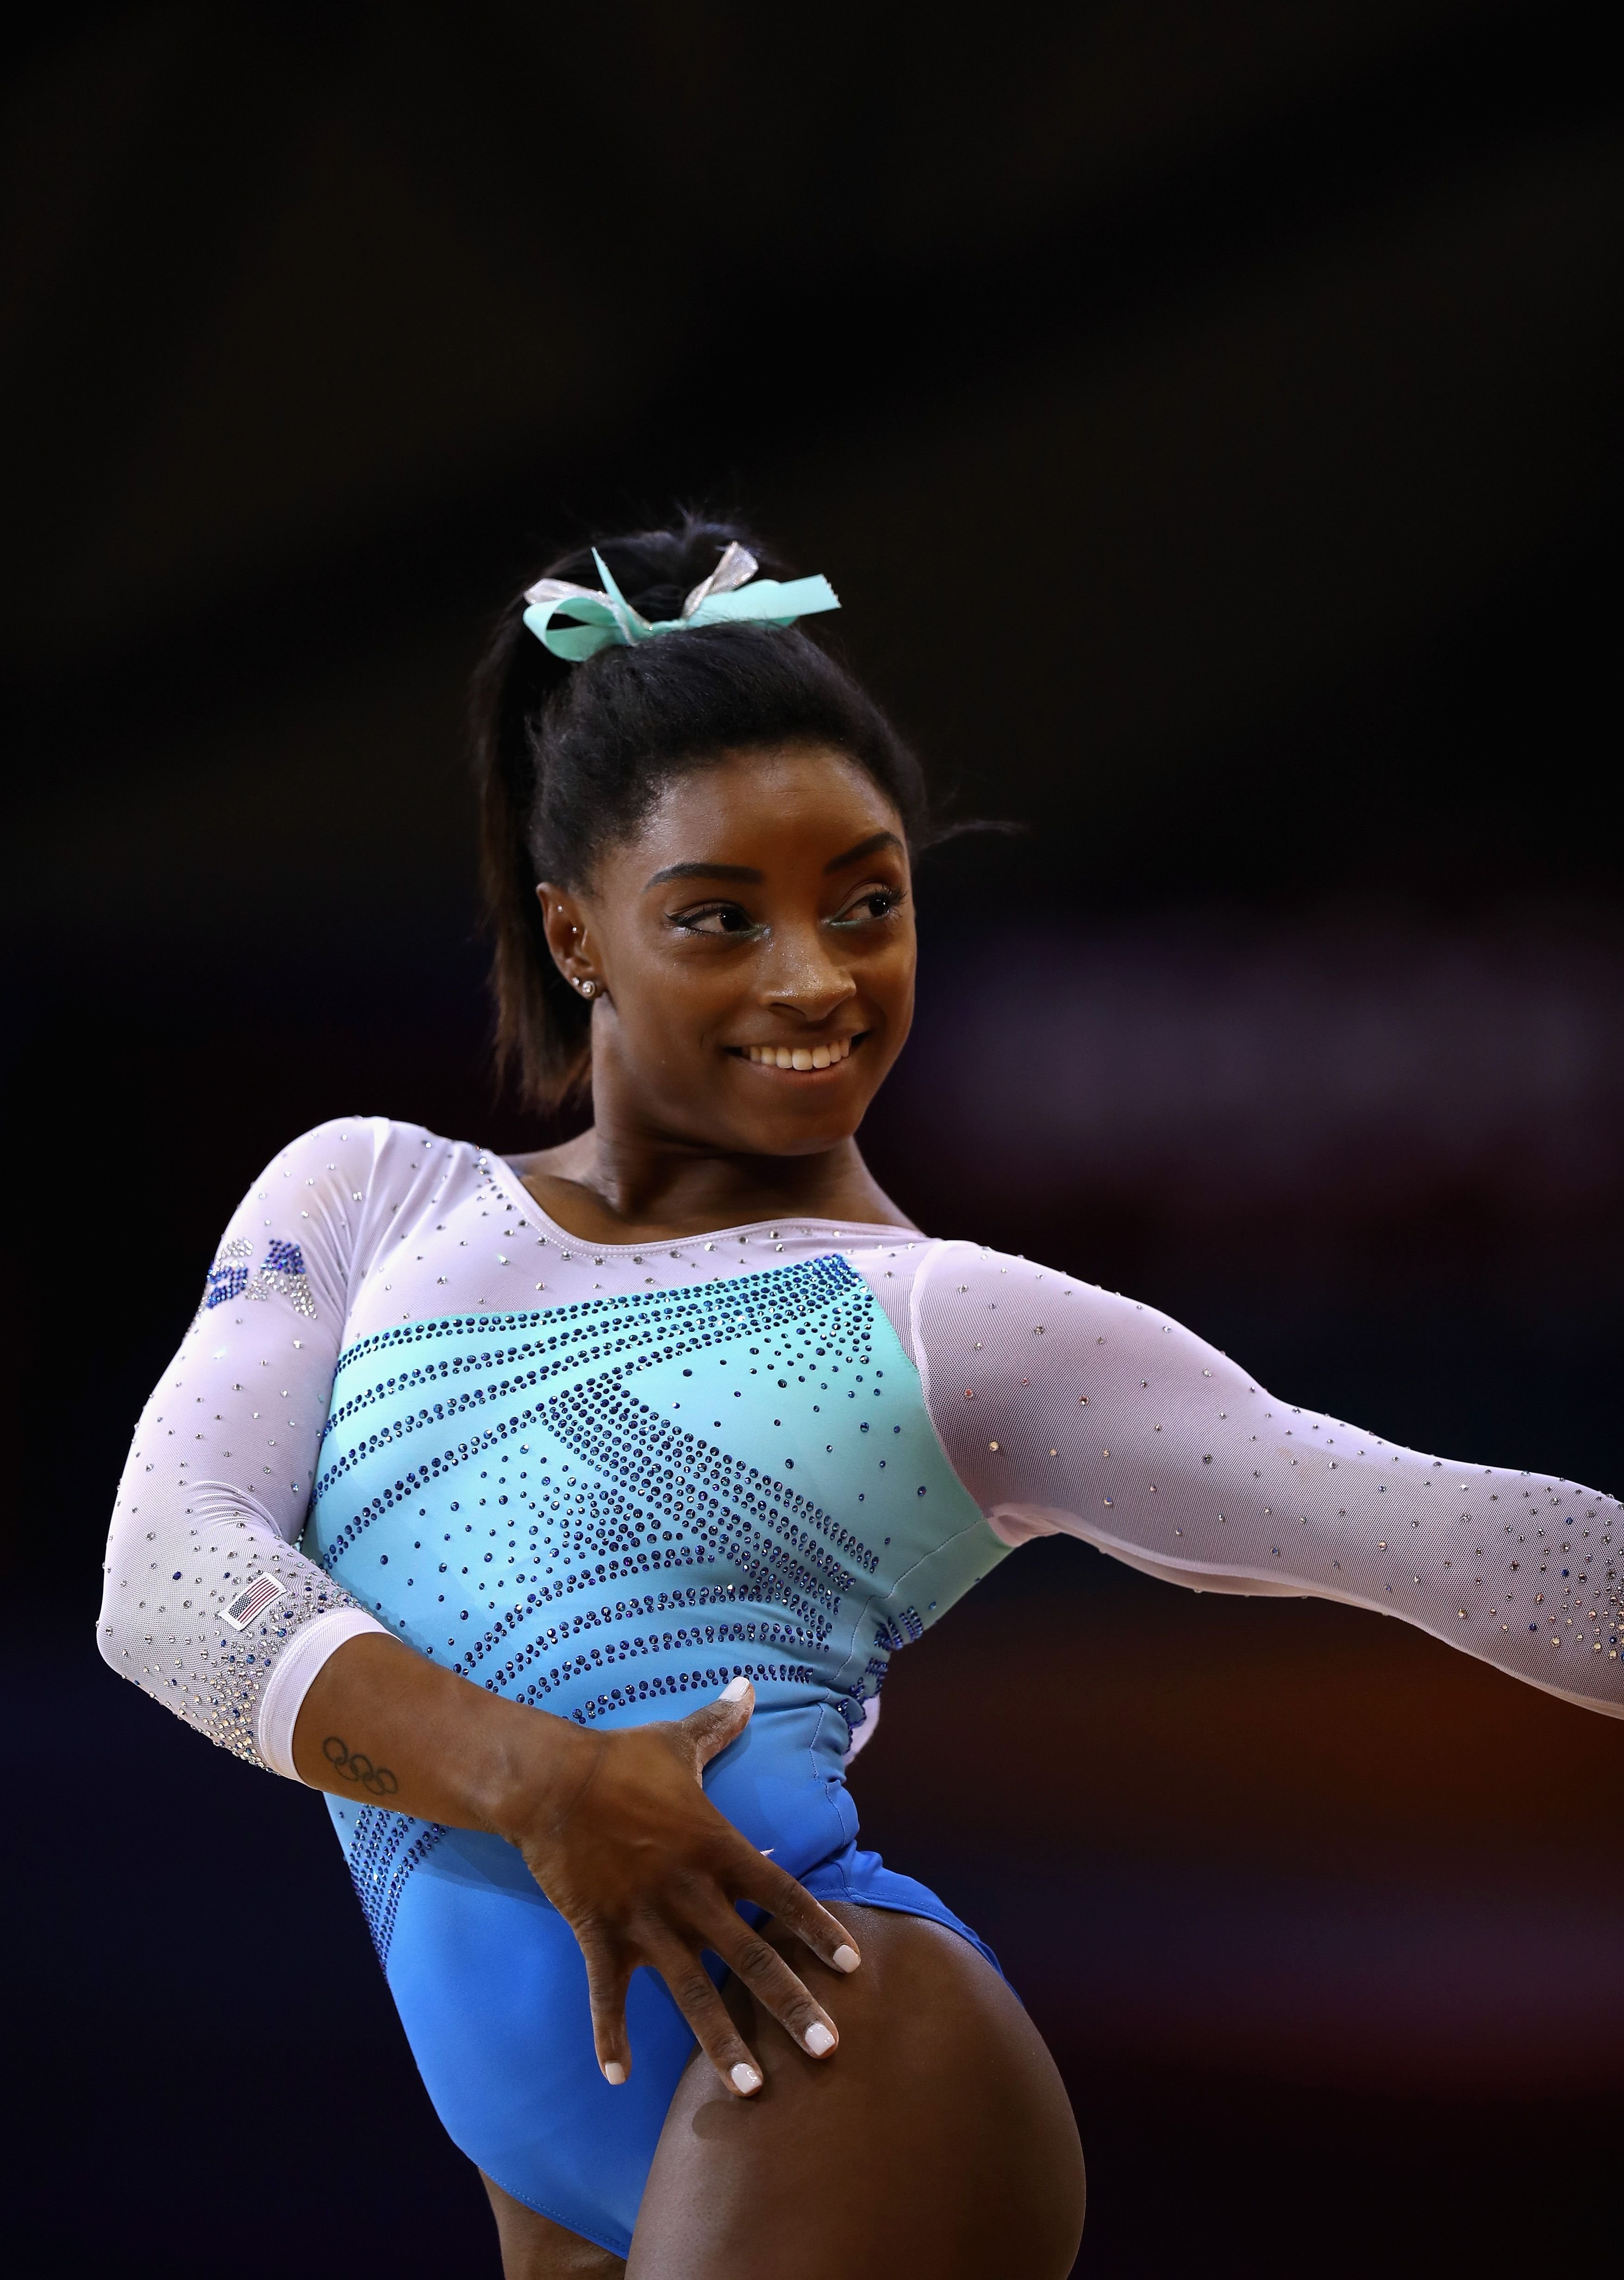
[{"x": 253, "y": 1601}]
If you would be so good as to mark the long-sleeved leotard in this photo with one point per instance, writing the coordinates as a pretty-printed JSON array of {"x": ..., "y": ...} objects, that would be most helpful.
[
  {"x": 1060, "y": 1406},
  {"x": 605, "y": 1479}
]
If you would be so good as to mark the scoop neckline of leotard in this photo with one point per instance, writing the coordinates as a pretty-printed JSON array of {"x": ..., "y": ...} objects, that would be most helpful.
[{"x": 505, "y": 1176}]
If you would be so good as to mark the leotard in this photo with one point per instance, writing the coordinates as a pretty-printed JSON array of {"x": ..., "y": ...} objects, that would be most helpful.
[{"x": 605, "y": 1479}]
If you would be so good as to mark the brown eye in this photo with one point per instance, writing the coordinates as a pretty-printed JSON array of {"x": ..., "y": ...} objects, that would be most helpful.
[
  {"x": 716, "y": 919},
  {"x": 876, "y": 902}
]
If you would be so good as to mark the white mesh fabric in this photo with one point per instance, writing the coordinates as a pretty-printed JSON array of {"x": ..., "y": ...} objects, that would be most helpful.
[
  {"x": 1065, "y": 1408},
  {"x": 219, "y": 1478}
]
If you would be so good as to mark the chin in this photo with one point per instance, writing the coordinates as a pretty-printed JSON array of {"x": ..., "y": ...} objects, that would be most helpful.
[{"x": 797, "y": 1137}]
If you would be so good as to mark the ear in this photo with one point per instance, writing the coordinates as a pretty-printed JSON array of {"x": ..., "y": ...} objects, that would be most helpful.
[{"x": 564, "y": 919}]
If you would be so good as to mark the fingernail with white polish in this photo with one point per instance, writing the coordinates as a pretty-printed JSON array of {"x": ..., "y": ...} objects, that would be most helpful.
[
  {"x": 745, "y": 2080},
  {"x": 735, "y": 1689},
  {"x": 846, "y": 1958},
  {"x": 615, "y": 2072},
  {"x": 818, "y": 2039}
]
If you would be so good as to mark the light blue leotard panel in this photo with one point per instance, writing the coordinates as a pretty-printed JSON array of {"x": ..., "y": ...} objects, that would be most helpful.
[{"x": 609, "y": 1510}]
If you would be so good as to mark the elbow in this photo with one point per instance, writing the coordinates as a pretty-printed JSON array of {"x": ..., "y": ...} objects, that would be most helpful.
[
  {"x": 109, "y": 1645},
  {"x": 112, "y": 1642}
]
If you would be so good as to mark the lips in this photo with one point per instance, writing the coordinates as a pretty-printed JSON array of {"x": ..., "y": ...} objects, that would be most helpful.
[{"x": 826, "y": 1054}]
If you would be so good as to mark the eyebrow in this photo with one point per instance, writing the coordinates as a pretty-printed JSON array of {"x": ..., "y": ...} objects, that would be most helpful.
[
  {"x": 742, "y": 872},
  {"x": 869, "y": 846},
  {"x": 745, "y": 875}
]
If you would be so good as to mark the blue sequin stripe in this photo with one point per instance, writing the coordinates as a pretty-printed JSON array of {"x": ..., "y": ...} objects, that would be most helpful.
[
  {"x": 804, "y": 1585},
  {"x": 380, "y": 1870},
  {"x": 414, "y": 1484},
  {"x": 791, "y": 1569},
  {"x": 767, "y": 1302},
  {"x": 760, "y": 1558},
  {"x": 751, "y": 1305},
  {"x": 741, "y": 1630},
  {"x": 814, "y": 1631},
  {"x": 401, "y": 1429},
  {"x": 686, "y": 1682},
  {"x": 611, "y": 1432},
  {"x": 809, "y": 1288},
  {"x": 596, "y": 1422},
  {"x": 637, "y": 1568}
]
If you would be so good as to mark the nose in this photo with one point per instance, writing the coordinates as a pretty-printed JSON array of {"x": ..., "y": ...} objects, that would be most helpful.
[{"x": 803, "y": 976}]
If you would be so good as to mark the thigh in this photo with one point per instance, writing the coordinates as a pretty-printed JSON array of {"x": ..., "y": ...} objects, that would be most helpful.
[
  {"x": 492, "y": 1991},
  {"x": 534, "y": 2248},
  {"x": 938, "y": 2141}
]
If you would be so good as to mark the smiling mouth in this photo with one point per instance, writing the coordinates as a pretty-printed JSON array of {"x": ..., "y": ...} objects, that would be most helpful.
[{"x": 827, "y": 1054}]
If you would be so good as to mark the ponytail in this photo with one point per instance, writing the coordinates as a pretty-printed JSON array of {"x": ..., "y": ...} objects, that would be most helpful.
[{"x": 542, "y": 1029}]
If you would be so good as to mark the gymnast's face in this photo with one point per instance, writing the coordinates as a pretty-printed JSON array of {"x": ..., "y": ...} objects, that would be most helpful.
[{"x": 753, "y": 950}]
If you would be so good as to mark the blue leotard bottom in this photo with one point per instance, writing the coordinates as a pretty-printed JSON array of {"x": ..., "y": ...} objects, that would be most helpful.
[{"x": 492, "y": 1992}]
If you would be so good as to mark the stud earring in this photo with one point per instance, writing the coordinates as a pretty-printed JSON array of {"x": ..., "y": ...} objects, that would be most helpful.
[{"x": 586, "y": 988}]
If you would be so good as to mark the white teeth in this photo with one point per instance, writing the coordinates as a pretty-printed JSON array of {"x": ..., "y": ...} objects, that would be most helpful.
[{"x": 801, "y": 1056}]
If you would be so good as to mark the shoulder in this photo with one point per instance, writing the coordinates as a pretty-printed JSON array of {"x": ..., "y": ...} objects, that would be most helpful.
[
  {"x": 334, "y": 1192},
  {"x": 345, "y": 1149},
  {"x": 343, "y": 1142},
  {"x": 956, "y": 1280},
  {"x": 973, "y": 1270},
  {"x": 353, "y": 1159},
  {"x": 1015, "y": 1310}
]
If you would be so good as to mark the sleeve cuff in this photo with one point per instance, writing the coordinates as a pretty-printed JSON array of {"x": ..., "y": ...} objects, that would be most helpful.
[{"x": 290, "y": 1682}]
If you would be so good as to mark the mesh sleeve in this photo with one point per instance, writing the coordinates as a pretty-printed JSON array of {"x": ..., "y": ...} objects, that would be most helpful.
[
  {"x": 207, "y": 1605},
  {"x": 1065, "y": 1408}
]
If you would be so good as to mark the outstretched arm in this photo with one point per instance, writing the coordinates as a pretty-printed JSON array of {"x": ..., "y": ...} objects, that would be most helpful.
[{"x": 1065, "y": 1408}]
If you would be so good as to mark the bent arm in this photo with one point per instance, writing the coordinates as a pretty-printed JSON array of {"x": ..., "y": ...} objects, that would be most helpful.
[
  {"x": 207, "y": 1604},
  {"x": 383, "y": 1725},
  {"x": 1066, "y": 1409}
]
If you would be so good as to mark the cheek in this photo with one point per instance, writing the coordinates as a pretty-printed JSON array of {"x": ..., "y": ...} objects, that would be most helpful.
[
  {"x": 669, "y": 1004},
  {"x": 893, "y": 972}
]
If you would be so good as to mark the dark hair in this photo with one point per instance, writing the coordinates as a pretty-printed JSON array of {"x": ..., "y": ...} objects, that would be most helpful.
[{"x": 570, "y": 757}]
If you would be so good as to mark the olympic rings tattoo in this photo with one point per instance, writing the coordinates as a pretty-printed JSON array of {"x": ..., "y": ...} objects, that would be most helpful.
[{"x": 377, "y": 1780}]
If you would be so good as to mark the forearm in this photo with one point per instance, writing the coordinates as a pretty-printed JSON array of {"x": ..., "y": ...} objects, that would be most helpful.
[
  {"x": 383, "y": 1725},
  {"x": 209, "y": 1607}
]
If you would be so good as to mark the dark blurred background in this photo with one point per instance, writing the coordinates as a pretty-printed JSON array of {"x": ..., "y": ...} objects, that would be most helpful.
[{"x": 1210, "y": 417}]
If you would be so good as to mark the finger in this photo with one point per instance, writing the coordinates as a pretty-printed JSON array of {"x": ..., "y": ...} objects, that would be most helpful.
[
  {"x": 773, "y": 1984},
  {"x": 772, "y": 1888},
  {"x": 709, "y": 1730},
  {"x": 694, "y": 1995},
  {"x": 607, "y": 1975}
]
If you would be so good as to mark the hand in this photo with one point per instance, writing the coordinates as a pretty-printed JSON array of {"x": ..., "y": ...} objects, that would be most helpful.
[
  {"x": 616, "y": 1827},
  {"x": 630, "y": 1851}
]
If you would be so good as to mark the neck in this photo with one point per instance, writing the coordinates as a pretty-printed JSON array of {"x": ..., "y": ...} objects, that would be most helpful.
[{"x": 610, "y": 1186}]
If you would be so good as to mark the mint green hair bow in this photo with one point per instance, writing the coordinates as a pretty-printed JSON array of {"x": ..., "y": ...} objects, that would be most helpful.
[{"x": 725, "y": 598}]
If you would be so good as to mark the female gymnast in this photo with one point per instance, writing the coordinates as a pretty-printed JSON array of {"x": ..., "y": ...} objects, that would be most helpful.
[{"x": 559, "y": 1517}]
